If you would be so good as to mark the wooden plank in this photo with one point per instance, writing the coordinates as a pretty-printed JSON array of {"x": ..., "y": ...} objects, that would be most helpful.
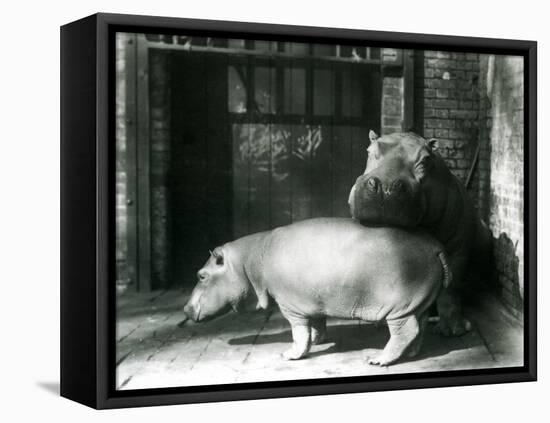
[
  {"x": 300, "y": 172},
  {"x": 323, "y": 85},
  {"x": 372, "y": 105},
  {"x": 359, "y": 144},
  {"x": 143, "y": 201},
  {"x": 259, "y": 177},
  {"x": 321, "y": 175},
  {"x": 190, "y": 171},
  {"x": 342, "y": 180},
  {"x": 219, "y": 173},
  {"x": 264, "y": 85},
  {"x": 281, "y": 204},
  {"x": 131, "y": 160},
  {"x": 240, "y": 179}
]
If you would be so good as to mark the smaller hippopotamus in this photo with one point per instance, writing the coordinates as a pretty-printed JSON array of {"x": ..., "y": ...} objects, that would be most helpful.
[{"x": 328, "y": 267}]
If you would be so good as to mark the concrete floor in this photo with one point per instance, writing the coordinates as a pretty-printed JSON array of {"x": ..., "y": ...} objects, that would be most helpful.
[{"x": 153, "y": 352}]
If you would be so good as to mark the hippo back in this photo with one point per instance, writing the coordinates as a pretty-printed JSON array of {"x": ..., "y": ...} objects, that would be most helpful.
[{"x": 325, "y": 265}]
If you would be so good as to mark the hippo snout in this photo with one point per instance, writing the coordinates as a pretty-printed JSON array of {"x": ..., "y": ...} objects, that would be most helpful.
[
  {"x": 380, "y": 200},
  {"x": 375, "y": 186},
  {"x": 191, "y": 311}
]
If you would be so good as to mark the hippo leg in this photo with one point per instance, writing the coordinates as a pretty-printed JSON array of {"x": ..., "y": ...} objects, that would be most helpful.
[
  {"x": 301, "y": 336},
  {"x": 402, "y": 333},
  {"x": 318, "y": 330},
  {"x": 414, "y": 348},
  {"x": 449, "y": 304}
]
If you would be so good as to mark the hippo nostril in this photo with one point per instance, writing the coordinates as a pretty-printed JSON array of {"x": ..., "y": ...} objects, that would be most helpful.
[
  {"x": 202, "y": 275},
  {"x": 187, "y": 310},
  {"x": 398, "y": 187},
  {"x": 373, "y": 184}
]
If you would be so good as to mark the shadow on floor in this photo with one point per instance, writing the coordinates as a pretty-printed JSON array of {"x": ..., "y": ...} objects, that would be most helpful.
[{"x": 354, "y": 337}]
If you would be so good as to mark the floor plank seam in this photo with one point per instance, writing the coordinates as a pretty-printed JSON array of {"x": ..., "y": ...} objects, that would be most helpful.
[{"x": 266, "y": 319}]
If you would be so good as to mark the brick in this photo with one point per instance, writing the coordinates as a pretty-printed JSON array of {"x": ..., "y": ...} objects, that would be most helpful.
[
  {"x": 463, "y": 114},
  {"x": 441, "y": 133},
  {"x": 458, "y": 134},
  {"x": 428, "y": 133},
  {"x": 442, "y": 93},
  {"x": 445, "y": 104},
  {"x": 463, "y": 163},
  {"x": 439, "y": 123},
  {"x": 391, "y": 91},
  {"x": 429, "y": 73},
  {"x": 433, "y": 83},
  {"x": 429, "y": 93},
  {"x": 440, "y": 63},
  {"x": 466, "y": 105},
  {"x": 392, "y": 121},
  {"x": 443, "y": 55}
]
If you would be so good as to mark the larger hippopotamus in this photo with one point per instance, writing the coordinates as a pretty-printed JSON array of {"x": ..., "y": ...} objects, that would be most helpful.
[
  {"x": 406, "y": 183},
  {"x": 328, "y": 267}
]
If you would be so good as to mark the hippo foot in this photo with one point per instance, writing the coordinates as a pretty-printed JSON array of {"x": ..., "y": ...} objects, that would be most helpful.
[
  {"x": 454, "y": 328},
  {"x": 381, "y": 360},
  {"x": 318, "y": 339},
  {"x": 293, "y": 354}
]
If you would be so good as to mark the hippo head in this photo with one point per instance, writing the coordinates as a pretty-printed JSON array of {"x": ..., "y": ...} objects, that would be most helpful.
[
  {"x": 390, "y": 192},
  {"x": 219, "y": 289}
]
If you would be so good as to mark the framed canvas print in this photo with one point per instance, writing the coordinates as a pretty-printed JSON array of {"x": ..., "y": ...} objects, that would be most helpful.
[{"x": 255, "y": 211}]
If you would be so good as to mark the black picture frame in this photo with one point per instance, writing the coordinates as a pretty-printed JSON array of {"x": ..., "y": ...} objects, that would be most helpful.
[{"x": 87, "y": 213}]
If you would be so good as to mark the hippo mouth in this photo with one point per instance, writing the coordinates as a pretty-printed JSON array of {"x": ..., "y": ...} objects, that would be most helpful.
[
  {"x": 377, "y": 207},
  {"x": 197, "y": 314}
]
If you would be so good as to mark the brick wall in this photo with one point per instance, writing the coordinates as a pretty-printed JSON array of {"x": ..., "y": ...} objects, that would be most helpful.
[
  {"x": 159, "y": 123},
  {"x": 447, "y": 99},
  {"x": 474, "y": 105},
  {"x": 502, "y": 90}
]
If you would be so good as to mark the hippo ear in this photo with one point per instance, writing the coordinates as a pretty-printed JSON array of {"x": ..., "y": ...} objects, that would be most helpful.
[
  {"x": 219, "y": 257},
  {"x": 433, "y": 144},
  {"x": 373, "y": 136}
]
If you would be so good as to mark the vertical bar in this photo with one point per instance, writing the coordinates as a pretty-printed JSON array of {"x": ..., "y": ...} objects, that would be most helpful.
[
  {"x": 143, "y": 203},
  {"x": 131, "y": 160}
]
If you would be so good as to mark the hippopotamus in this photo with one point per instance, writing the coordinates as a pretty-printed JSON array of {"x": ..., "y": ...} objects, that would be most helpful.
[
  {"x": 407, "y": 184},
  {"x": 325, "y": 267}
]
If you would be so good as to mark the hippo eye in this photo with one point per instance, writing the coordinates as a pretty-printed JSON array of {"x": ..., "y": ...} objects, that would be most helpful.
[{"x": 219, "y": 260}]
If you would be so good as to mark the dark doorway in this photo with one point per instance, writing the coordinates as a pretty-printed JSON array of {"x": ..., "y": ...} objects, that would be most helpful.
[{"x": 259, "y": 142}]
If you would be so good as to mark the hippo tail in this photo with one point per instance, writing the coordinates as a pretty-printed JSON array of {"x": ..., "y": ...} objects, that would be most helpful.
[{"x": 447, "y": 274}]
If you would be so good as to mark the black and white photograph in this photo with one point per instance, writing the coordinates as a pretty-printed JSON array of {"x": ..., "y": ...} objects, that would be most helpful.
[{"x": 290, "y": 210}]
